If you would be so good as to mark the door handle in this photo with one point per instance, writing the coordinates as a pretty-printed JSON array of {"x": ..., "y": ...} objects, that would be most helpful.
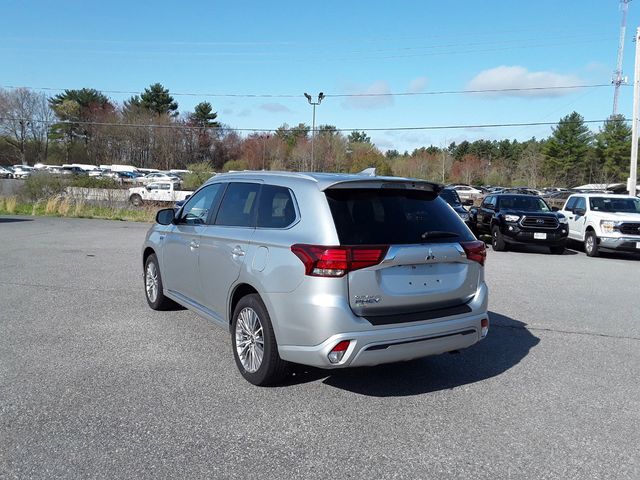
[
  {"x": 194, "y": 244},
  {"x": 237, "y": 252}
]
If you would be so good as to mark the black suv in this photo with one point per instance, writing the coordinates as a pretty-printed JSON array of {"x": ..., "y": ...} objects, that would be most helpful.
[
  {"x": 520, "y": 219},
  {"x": 450, "y": 196}
]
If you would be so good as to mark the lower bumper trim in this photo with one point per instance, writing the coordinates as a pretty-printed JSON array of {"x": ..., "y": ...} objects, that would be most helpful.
[{"x": 422, "y": 339}]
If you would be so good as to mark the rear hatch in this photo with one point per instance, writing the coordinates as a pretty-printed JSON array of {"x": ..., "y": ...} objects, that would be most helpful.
[{"x": 426, "y": 266}]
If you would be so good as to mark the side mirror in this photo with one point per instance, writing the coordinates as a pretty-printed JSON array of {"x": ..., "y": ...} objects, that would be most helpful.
[
  {"x": 165, "y": 216},
  {"x": 579, "y": 211},
  {"x": 148, "y": 188}
]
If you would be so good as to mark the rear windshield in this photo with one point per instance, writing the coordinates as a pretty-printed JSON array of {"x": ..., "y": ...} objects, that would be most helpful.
[
  {"x": 450, "y": 196},
  {"x": 394, "y": 216}
]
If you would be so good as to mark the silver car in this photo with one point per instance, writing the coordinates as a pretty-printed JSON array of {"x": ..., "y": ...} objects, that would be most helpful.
[{"x": 328, "y": 270}]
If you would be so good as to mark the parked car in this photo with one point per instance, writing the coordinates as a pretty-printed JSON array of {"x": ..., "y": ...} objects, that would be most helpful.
[
  {"x": 127, "y": 177},
  {"x": 520, "y": 219},
  {"x": 5, "y": 172},
  {"x": 467, "y": 194},
  {"x": 158, "y": 177},
  {"x": 157, "y": 192},
  {"x": 450, "y": 196},
  {"x": 21, "y": 171},
  {"x": 604, "y": 222},
  {"x": 556, "y": 200},
  {"x": 329, "y": 270}
]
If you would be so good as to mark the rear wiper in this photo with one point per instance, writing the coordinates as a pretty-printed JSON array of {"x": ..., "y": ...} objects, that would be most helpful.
[{"x": 438, "y": 234}]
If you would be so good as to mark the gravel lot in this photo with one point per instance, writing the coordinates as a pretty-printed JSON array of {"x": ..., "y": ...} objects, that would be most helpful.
[{"x": 94, "y": 384}]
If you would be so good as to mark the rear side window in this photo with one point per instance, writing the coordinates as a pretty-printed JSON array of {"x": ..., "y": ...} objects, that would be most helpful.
[
  {"x": 276, "y": 208},
  {"x": 238, "y": 205},
  {"x": 393, "y": 216}
]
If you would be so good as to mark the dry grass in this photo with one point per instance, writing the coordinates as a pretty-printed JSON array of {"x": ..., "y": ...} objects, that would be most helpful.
[
  {"x": 78, "y": 209},
  {"x": 10, "y": 204},
  {"x": 51, "y": 206},
  {"x": 64, "y": 207}
]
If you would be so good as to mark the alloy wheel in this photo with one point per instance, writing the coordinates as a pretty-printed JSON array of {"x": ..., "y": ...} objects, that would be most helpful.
[
  {"x": 151, "y": 282},
  {"x": 249, "y": 339}
]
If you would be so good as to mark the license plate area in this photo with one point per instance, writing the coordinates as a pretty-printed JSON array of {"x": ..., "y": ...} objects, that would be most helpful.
[{"x": 539, "y": 235}]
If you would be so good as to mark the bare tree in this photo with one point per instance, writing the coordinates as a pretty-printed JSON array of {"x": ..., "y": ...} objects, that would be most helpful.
[{"x": 17, "y": 108}]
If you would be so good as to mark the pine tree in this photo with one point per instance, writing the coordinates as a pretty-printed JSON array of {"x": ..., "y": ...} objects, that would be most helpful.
[
  {"x": 567, "y": 151},
  {"x": 612, "y": 149}
]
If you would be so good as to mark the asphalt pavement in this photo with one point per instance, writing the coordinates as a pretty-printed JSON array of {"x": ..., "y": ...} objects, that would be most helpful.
[{"x": 94, "y": 384}]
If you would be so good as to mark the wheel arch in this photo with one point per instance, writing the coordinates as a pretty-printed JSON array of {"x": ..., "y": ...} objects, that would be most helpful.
[
  {"x": 239, "y": 291},
  {"x": 145, "y": 254}
]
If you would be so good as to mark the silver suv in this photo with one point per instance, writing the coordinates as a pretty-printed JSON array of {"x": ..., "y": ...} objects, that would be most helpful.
[{"x": 328, "y": 270}]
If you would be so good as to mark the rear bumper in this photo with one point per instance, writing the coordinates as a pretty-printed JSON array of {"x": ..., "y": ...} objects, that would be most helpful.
[{"x": 388, "y": 345}]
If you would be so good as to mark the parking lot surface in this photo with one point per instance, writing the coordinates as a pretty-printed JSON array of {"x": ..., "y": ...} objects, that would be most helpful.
[{"x": 94, "y": 384}]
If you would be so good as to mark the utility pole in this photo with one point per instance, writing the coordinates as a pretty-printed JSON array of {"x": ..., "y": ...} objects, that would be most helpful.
[
  {"x": 313, "y": 127},
  {"x": 633, "y": 170},
  {"x": 618, "y": 78}
]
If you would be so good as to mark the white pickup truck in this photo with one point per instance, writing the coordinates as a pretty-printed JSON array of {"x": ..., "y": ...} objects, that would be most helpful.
[
  {"x": 157, "y": 192},
  {"x": 604, "y": 221}
]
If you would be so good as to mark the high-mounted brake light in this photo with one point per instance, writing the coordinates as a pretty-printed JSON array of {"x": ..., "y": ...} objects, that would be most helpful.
[
  {"x": 321, "y": 261},
  {"x": 476, "y": 251}
]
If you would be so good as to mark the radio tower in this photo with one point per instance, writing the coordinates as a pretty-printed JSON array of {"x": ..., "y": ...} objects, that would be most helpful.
[{"x": 618, "y": 78}]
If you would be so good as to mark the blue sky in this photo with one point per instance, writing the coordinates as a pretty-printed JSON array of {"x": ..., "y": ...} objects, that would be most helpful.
[{"x": 287, "y": 48}]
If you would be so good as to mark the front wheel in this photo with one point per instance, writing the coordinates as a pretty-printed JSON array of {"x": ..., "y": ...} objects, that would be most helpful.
[
  {"x": 255, "y": 349},
  {"x": 591, "y": 244},
  {"x": 153, "y": 285},
  {"x": 497, "y": 240}
]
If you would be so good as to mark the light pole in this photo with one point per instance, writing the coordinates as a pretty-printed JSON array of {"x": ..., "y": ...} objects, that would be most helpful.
[{"x": 313, "y": 127}]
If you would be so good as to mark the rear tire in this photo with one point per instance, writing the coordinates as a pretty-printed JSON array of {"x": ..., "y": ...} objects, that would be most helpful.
[
  {"x": 591, "y": 244},
  {"x": 254, "y": 345},
  {"x": 497, "y": 240},
  {"x": 136, "y": 200},
  {"x": 153, "y": 285}
]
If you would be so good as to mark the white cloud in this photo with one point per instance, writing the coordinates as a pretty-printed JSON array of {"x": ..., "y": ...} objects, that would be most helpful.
[
  {"x": 417, "y": 85},
  {"x": 244, "y": 113},
  {"x": 379, "y": 99},
  {"x": 274, "y": 107},
  {"x": 517, "y": 77}
]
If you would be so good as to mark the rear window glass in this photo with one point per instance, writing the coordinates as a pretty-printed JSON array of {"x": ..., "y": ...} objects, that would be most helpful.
[
  {"x": 393, "y": 217},
  {"x": 450, "y": 196},
  {"x": 276, "y": 209}
]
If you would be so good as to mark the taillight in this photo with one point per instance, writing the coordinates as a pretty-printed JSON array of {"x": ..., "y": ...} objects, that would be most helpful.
[
  {"x": 320, "y": 261},
  {"x": 484, "y": 327},
  {"x": 476, "y": 251}
]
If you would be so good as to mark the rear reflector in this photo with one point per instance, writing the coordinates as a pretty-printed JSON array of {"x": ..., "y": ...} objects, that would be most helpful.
[
  {"x": 336, "y": 354},
  {"x": 321, "y": 261},
  {"x": 484, "y": 327},
  {"x": 476, "y": 251}
]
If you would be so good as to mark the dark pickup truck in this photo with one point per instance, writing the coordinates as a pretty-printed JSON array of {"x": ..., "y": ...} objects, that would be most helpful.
[{"x": 520, "y": 219}]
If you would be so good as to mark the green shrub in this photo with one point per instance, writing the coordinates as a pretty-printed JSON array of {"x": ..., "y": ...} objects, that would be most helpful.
[
  {"x": 234, "y": 165},
  {"x": 92, "y": 182},
  {"x": 40, "y": 186},
  {"x": 200, "y": 173}
]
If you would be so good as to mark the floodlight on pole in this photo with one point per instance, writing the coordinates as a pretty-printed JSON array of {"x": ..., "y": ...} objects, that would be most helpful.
[{"x": 313, "y": 126}]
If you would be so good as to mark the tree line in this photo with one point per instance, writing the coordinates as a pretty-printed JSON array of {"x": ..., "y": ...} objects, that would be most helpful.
[{"x": 147, "y": 130}]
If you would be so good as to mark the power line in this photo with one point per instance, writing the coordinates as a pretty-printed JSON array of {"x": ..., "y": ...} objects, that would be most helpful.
[
  {"x": 271, "y": 130},
  {"x": 341, "y": 95}
]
